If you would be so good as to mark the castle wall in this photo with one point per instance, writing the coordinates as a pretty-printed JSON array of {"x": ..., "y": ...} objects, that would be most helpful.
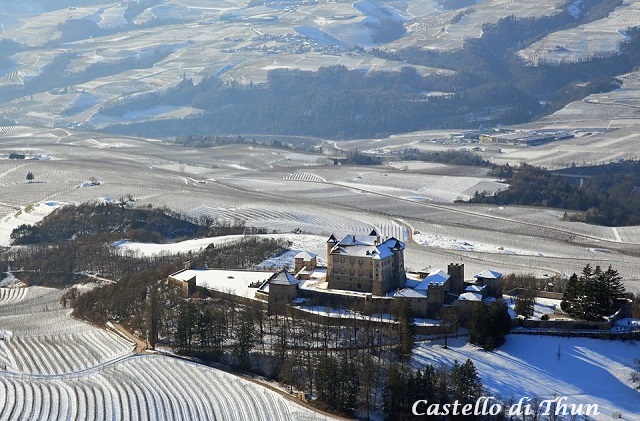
[
  {"x": 280, "y": 296},
  {"x": 351, "y": 273}
]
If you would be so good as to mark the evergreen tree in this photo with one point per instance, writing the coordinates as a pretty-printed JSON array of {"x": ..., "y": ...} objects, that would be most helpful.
[
  {"x": 525, "y": 303},
  {"x": 217, "y": 332},
  {"x": 489, "y": 324},
  {"x": 203, "y": 330},
  {"x": 570, "y": 295},
  {"x": 594, "y": 294},
  {"x": 393, "y": 394},
  {"x": 586, "y": 306},
  {"x": 325, "y": 375},
  {"x": 185, "y": 324},
  {"x": 465, "y": 382},
  {"x": 614, "y": 288},
  {"x": 153, "y": 316},
  {"x": 349, "y": 384}
]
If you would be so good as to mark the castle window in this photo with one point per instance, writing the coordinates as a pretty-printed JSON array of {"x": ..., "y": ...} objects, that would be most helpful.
[{"x": 359, "y": 285}]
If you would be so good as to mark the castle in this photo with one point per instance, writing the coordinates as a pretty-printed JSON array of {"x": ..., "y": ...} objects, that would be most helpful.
[
  {"x": 366, "y": 267},
  {"x": 359, "y": 269},
  {"x": 364, "y": 263}
]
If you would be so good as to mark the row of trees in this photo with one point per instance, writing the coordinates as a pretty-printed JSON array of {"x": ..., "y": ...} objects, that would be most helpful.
[
  {"x": 343, "y": 366},
  {"x": 609, "y": 198},
  {"x": 594, "y": 294}
]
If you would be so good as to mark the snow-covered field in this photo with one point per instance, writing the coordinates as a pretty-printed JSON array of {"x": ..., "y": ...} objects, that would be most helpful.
[
  {"x": 145, "y": 387},
  {"x": 29, "y": 215},
  {"x": 588, "y": 371},
  {"x": 599, "y": 38},
  {"x": 288, "y": 191},
  {"x": 40, "y": 337},
  {"x": 56, "y": 367}
]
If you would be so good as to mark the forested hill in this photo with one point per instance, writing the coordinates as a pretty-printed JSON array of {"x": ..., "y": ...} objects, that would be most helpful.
[
  {"x": 610, "y": 196},
  {"x": 489, "y": 85},
  {"x": 110, "y": 222}
]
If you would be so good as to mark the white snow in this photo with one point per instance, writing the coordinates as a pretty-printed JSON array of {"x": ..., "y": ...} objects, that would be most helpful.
[
  {"x": 589, "y": 371},
  {"x": 10, "y": 281},
  {"x": 299, "y": 242},
  {"x": 234, "y": 282},
  {"x": 575, "y": 8},
  {"x": 29, "y": 215},
  {"x": 56, "y": 367},
  {"x": 541, "y": 306},
  {"x": 443, "y": 242}
]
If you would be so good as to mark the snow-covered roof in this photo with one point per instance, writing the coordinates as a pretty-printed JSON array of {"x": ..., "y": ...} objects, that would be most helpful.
[
  {"x": 488, "y": 274},
  {"x": 305, "y": 255},
  {"x": 232, "y": 281},
  {"x": 475, "y": 288},
  {"x": 283, "y": 278},
  {"x": 367, "y": 246},
  {"x": 411, "y": 283},
  {"x": 409, "y": 293},
  {"x": 470, "y": 296},
  {"x": 439, "y": 277}
]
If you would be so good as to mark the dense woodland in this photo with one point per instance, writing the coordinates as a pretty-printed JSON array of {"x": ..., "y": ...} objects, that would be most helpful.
[
  {"x": 453, "y": 157},
  {"x": 610, "y": 195},
  {"x": 489, "y": 85}
]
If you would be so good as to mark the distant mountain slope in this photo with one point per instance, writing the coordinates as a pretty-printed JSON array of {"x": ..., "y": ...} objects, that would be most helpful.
[{"x": 69, "y": 63}]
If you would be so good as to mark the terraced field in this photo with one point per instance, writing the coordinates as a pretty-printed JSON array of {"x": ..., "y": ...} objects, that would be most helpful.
[
  {"x": 39, "y": 336},
  {"x": 55, "y": 367},
  {"x": 143, "y": 388}
]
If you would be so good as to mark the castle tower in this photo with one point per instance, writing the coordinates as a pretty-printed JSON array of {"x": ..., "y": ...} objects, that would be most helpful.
[
  {"x": 331, "y": 242},
  {"x": 456, "y": 280}
]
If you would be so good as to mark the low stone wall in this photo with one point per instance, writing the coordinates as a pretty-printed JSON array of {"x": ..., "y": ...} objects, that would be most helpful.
[
  {"x": 538, "y": 294},
  {"x": 595, "y": 334},
  {"x": 562, "y": 324},
  {"x": 571, "y": 325},
  {"x": 249, "y": 302},
  {"x": 346, "y": 321},
  {"x": 371, "y": 304}
]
